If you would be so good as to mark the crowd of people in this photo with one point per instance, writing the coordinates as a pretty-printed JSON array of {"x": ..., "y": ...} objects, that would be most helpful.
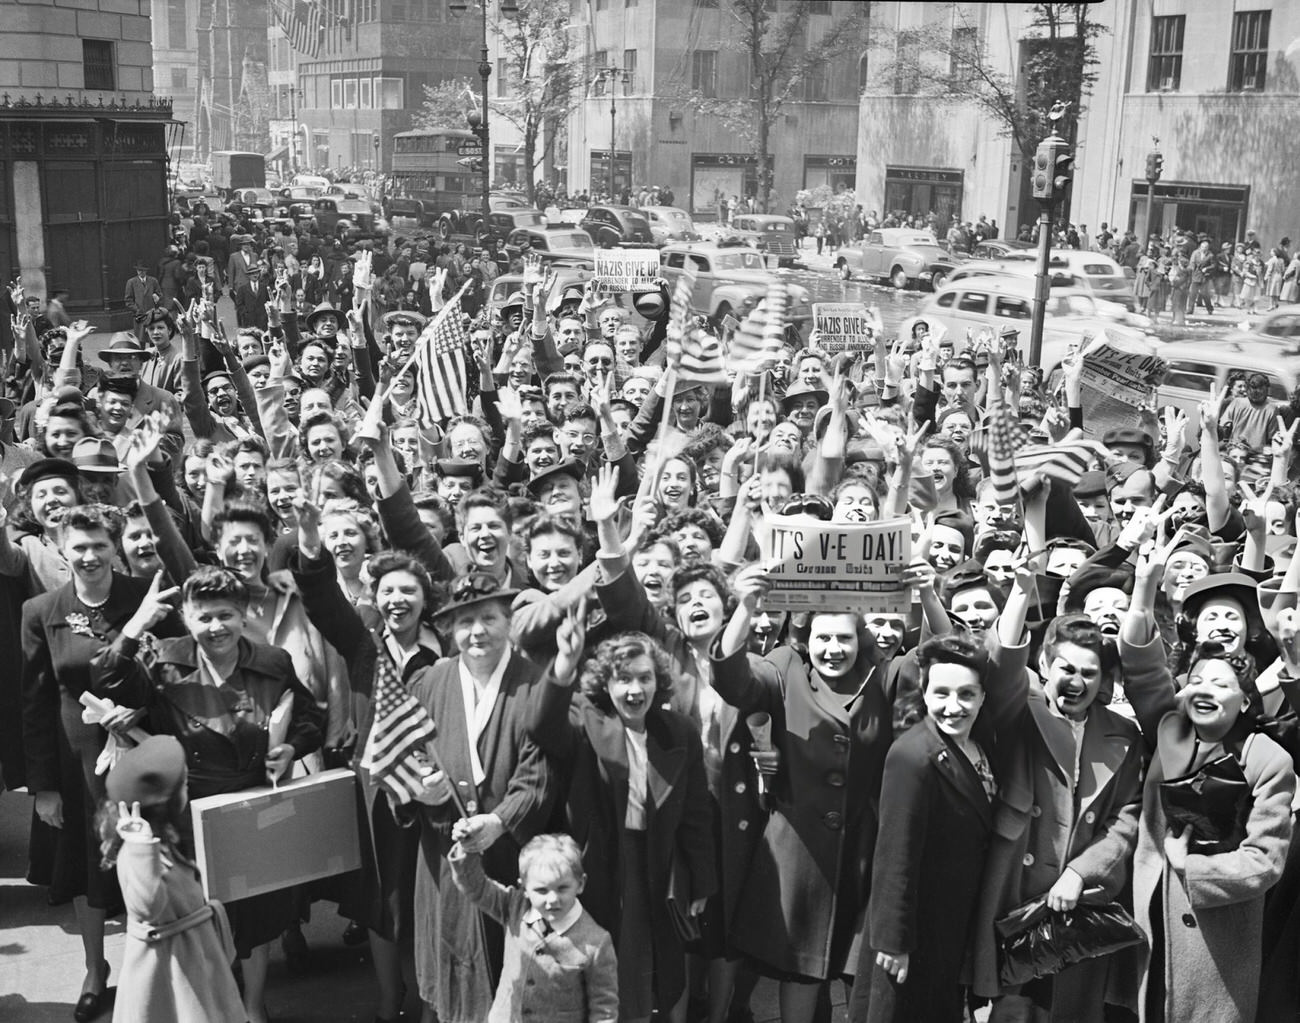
[{"x": 258, "y": 547}]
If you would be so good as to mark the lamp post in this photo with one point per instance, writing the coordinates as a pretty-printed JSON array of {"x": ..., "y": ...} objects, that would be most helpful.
[
  {"x": 293, "y": 129},
  {"x": 478, "y": 119},
  {"x": 612, "y": 75}
]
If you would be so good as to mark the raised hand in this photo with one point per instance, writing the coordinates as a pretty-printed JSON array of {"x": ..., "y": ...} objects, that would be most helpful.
[
  {"x": 130, "y": 823},
  {"x": 570, "y": 638},
  {"x": 533, "y": 273},
  {"x": 79, "y": 330},
  {"x": 1175, "y": 431},
  {"x": 751, "y": 584},
  {"x": 145, "y": 439},
  {"x": 155, "y": 606},
  {"x": 509, "y": 405},
  {"x": 1211, "y": 409},
  {"x": 603, "y": 502},
  {"x": 437, "y": 285},
  {"x": 220, "y": 470}
]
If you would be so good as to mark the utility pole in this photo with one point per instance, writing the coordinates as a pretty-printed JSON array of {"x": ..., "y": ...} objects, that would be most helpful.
[
  {"x": 1053, "y": 168},
  {"x": 612, "y": 75}
]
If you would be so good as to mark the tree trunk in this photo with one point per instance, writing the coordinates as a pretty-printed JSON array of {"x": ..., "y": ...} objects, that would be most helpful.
[{"x": 530, "y": 150}]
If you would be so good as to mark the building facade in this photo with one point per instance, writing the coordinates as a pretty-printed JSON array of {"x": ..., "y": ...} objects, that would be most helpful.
[
  {"x": 83, "y": 151},
  {"x": 1216, "y": 81},
  {"x": 672, "y": 48}
]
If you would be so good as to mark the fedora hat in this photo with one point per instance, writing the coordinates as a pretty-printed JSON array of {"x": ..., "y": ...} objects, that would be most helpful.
[
  {"x": 96, "y": 456},
  {"x": 125, "y": 343}
]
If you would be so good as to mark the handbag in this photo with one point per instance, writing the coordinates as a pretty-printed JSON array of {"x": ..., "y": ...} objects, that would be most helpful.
[
  {"x": 1213, "y": 803},
  {"x": 1034, "y": 941}
]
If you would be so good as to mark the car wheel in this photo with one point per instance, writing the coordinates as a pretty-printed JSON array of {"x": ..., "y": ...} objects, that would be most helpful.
[
  {"x": 938, "y": 281},
  {"x": 842, "y": 268},
  {"x": 444, "y": 229},
  {"x": 898, "y": 278}
]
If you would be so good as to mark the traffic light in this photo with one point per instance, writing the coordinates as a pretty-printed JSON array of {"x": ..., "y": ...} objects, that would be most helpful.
[
  {"x": 1064, "y": 173},
  {"x": 1152, "y": 173},
  {"x": 1157, "y": 166},
  {"x": 1044, "y": 163}
]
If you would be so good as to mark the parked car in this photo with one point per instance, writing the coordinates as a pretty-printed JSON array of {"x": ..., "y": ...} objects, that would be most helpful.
[
  {"x": 1003, "y": 248},
  {"x": 1196, "y": 366},
  {"x": 995, "y": 301},
  {"x": 1281, "y": 323},
  {"x": 670, "y": 224},
  {"x": 420, "y": 204},
  {"x": 505, "y": 285},
  {"x": 549, "y": 242},
  {"x": 468, "y": 220},
  {"x": 255, "y": 203},
  {"x": 617, "y": 227},
  {"x": 1100, "y": 274},
  {"x": 730, "y": 280},
  {"x": 338, "y": 215},
  {"x": 902, "y": 256}
]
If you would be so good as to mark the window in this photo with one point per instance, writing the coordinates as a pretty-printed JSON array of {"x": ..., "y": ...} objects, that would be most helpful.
[
  {"x": 503, "y": 78},
  {"x": 973, "y": 302},
  {"x": 176, "y": 24},
  {"x": 629, "y": 67},
  {"x": 366, "y": 102},
  {"x": 704, "y": 72},
  {"x": 349, "y": 94},
  {"x": 1191, "y": 376},
  {"x": 97, "y": 63},
  {"x": 336, "y": 94},
  {"x": 1249, "y": 51},
  {"x": 398, "y": 12},
  {"x": 814, "y": 84},
  {"x": 180, "y": 79},
  {"x": 965, "y": 55},
  {"x": 907, "y": 79},
  {"x": 862, "y": 73},
  {"x": 1012, "y": 309},
  {"x": 1165, "y": 69},
  {"x": 388, "y": 94},
  {"x": 946, "y": 301}
]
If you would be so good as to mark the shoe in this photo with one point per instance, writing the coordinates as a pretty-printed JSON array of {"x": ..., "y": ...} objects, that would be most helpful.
[
  {"x": 354, "y": 934},
  {"x": 91, "y": 1004},
  {"x": 297, "y": 956}
]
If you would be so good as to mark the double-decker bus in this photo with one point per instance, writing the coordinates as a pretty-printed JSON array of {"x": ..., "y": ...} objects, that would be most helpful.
[{"x": 428, "y": 178}]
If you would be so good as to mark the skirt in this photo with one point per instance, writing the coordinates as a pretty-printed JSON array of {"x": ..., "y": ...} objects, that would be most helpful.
[{"x": 635, "y": 942}]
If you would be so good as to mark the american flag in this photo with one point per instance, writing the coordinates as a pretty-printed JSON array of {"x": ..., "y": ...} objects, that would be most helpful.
[
  {"x": 1006, "y": 435},
  {"x": 1065, "y": 461},
  {"x": 700, "y": 359},
  {"x": 302, "y": 22},
  {"x": 680, "y": 310},
  {"x": 757, "y": 344},
  {"x": 440, "y": 359},
  {"x": 401, "y": 728}
]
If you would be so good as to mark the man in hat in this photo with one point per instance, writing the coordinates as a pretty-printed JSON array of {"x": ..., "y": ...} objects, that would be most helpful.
[
  {"x": 163, "y": 371},
  {"x": 250, "y": 299},
  {"x": 99, "y": 469},
  {"x": 142, "y": 294},
  {"x": 242, "y": 260},
  {"x": 504, "y": 786},
  {"x": 125, "y": 357}
]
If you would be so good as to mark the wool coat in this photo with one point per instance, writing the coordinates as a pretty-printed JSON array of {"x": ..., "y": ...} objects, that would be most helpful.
[
  {"x": 589, "y": 747},
  {"x": 1043, "y": 822},
  {"x": 556, "y": 978},
  {"x": 801, "y": 907},
  {"x": 935, "y": 825},
  {"x": 1209, "y": 916},
  {"x": 458, "y": 951},
  {"x": 183, "y": 977},
  {"x": 732, "y": 779}
]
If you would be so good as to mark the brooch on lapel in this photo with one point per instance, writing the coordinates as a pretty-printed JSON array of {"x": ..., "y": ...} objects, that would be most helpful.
[{"x": 80, "y": 625}]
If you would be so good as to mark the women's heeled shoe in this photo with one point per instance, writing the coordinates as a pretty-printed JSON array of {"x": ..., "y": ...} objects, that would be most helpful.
[{"x": 91, "y": 1004}]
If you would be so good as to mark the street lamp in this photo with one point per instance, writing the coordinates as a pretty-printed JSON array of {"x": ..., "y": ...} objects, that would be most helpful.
[
  {"x": 612, "y": 75},
  {"x": 478, "y": 122}
]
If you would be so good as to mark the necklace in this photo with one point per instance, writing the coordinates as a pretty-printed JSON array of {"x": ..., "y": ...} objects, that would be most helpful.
[{"x": 93, "y": 606}]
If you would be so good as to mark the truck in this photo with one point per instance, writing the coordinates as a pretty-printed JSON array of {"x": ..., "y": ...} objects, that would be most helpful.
[{"x": 233, "y": 170}]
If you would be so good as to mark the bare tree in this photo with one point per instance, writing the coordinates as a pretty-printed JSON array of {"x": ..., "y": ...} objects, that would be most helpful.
[
  {"x": 948, "y": 60},
  {"x": 783, "y": 60},
  {"x": 545, "y": 81}
]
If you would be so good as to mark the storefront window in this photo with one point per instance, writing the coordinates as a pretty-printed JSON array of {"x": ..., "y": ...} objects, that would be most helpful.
[
  {"x": 912, "y": 191},
  {"x": 600, "y": 171},
  {"x": 714, "y": 176},
  {"x": 1218, "y": 211}
]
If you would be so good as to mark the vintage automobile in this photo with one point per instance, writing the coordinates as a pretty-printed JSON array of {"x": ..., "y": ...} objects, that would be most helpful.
[
  {"x": 296, "y": 201},
  {"x": 420, "y": 204},
  {"x": 730, "y": 280},
  {"x": 251, "y": 203},
  {"x": 351, "y": 217},
  {"x": 670, "y": 224},
  {"x": 1003, "y": 248},
  {"x": 617, "y": 227},
  {"x": 506, "y": 285},
  {"x": 1197, "y": 367},
  {"x": 902, "y": 256},
  {"x": 550, "y": 242},
  {"x": 468, "y": 219},
  {"x": 772, "y": 235}
]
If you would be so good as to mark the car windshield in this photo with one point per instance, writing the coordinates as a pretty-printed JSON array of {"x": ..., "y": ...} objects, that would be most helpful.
[
  {"x": 738, "y": 261},
  {"x": 677, "y": 216},
  {"x": 915, "y": 239},
  {"x": 577, "y": 240},
  {"x": 777, "y": 227}
]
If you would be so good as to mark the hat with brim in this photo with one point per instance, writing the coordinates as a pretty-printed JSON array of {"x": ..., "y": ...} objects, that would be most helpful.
[
  {"x": 460, "y": 467},
  {"x": 46, "y": 469},
  {"x": 801, "y": 391},
  {"x": 149, "y": 774},
  {"x": 405, "y": 318},
  {"x": 324, "y": 309},
  {"x": 515, "y": 299},
  {"x": 125, "y": 343},
  {"x": 472, "y": 589},
  {"x": 1236, "y": 585},
  {"x": 574, "y": 470},
  {"x": 96, "y": 456}
]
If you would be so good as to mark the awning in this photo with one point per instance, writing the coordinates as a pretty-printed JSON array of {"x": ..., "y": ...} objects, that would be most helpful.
[{"x": 275, "y": 154}]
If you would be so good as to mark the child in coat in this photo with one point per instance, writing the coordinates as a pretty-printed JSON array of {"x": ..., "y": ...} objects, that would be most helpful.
[
  {"x": 559, "y": 964},
  {"x": 176, "y": 963}
]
